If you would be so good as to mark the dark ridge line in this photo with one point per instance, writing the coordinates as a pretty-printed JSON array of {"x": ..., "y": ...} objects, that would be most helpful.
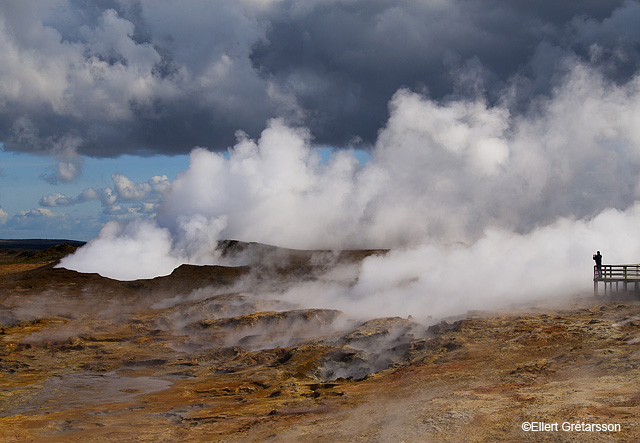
[{"x": 36, "y": 244}]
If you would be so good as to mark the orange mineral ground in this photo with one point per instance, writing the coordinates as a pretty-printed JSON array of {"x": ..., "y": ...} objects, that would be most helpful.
[{"x": 195, "y": 357}]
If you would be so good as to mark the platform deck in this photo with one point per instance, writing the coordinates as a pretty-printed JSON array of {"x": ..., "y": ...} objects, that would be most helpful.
[{"x": 623, "y": 276}]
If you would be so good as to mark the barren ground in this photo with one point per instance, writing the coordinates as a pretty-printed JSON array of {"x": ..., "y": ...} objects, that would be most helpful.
[{"x": 85, "y": 358}]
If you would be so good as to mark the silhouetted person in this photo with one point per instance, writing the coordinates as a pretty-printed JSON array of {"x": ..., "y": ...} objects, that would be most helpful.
[{"x": 598, "y": 259}]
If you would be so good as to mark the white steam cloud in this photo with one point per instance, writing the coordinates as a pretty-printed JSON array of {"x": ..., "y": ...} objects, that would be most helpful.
[
  {"x": 477, "y": 204},
  {"x": 500, "y": 269}
]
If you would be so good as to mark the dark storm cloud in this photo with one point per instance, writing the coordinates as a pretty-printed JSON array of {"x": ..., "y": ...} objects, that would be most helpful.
[
  {"x": 343, "y": 60},
  {"x": 111, "y": 77},
  {"x": 138, "y": 78}
]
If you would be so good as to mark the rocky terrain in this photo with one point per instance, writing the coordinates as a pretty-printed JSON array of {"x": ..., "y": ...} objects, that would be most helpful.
[{"x": 197, "y": 356}]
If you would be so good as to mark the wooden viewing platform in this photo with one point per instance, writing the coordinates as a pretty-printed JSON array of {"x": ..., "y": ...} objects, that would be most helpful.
[{"x": 617, "y": 274}]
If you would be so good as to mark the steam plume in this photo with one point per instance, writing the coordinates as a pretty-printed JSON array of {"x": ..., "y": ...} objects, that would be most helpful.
[{"x": 457, "y": 187}]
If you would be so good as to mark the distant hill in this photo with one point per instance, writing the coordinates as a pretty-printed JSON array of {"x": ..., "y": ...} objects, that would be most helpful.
[
  {"x": 36, "y": 244},
  {"x": 31, "y": 251}
]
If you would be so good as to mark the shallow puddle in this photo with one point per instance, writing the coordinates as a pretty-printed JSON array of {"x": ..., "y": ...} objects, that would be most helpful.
[{"x": 77, "y": 390}]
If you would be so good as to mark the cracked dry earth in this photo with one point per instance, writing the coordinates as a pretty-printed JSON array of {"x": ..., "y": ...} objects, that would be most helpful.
[{"x": 84, "y": 358}]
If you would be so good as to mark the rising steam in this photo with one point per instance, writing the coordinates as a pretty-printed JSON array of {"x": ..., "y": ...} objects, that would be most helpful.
[{"x": 462, "y": 191}]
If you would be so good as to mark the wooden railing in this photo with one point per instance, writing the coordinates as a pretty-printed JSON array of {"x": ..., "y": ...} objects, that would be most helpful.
[{"x": 616, "y": 272}]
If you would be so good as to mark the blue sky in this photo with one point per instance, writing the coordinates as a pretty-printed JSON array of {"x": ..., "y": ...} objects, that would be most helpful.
[{"x": 22, "y": 186}]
